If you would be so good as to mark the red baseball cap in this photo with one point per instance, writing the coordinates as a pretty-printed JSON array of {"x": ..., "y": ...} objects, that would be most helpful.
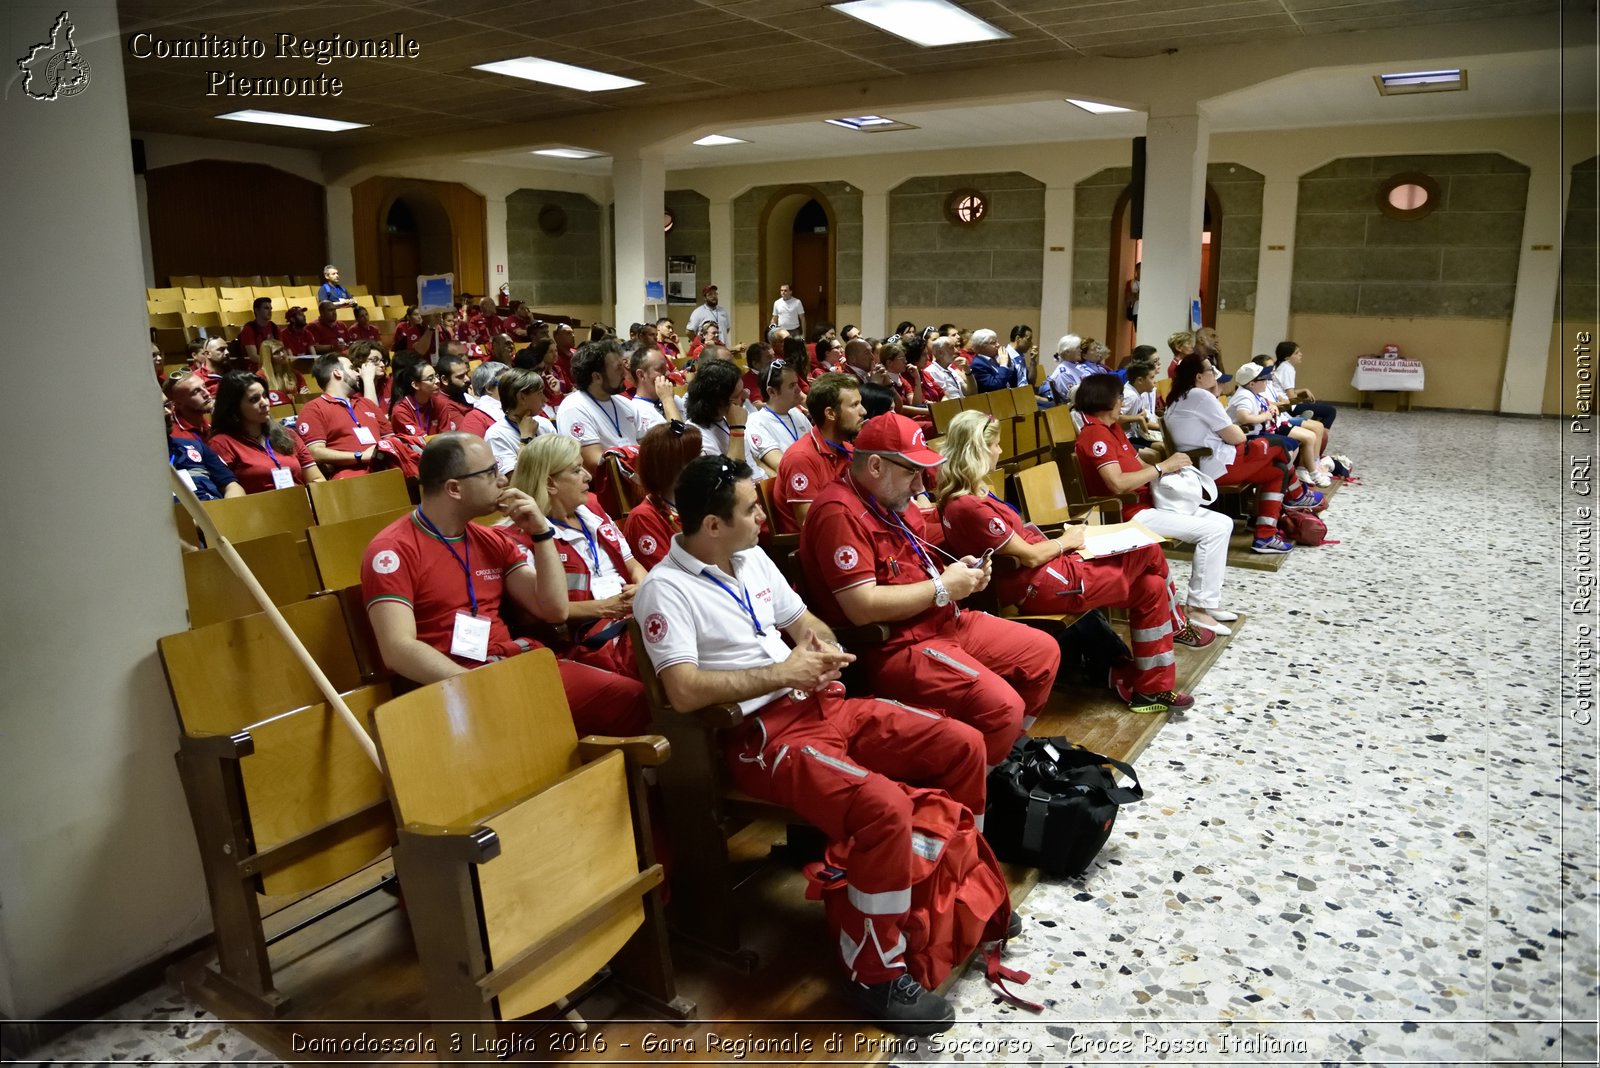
[
  {"x": 708, "y": 289},
  {"x": 896, "y": 435},
  {"x": 291, "y": 311}
]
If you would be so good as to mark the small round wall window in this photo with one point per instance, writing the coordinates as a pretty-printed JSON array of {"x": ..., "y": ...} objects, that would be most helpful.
[{"x": 1408, "y": 196}]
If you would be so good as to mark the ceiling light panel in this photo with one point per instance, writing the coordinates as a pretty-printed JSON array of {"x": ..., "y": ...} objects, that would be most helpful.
[{"x": 930, "y": 23}]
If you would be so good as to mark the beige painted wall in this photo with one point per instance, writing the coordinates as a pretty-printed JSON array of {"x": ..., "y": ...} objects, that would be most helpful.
[{"x": 1465, "y": 358}]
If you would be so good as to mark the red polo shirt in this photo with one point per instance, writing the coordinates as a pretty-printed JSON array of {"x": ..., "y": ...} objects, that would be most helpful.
[
  {"x": 253, "y": 465},
  {"x": 325, "y": 420},
  {"x": 435, "y": 417},
  {"x": 299, "y": 342},
  {"x": 334, "y": 333},
  {"x": 846, "y": 543},
  {"x": 1098, "y": 445},
  {"x": 363, "y": 332},
  {"x": 650, "y": 527},
  {"x": 253, "y": 334},
  {"x": 808, "y": 466}
]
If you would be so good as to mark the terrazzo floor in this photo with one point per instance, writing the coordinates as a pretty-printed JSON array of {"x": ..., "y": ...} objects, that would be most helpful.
[{"x": 1373, "y": 841}]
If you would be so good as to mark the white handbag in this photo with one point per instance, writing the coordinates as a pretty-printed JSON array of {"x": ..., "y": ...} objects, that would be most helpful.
[{"x": 1184, "y": 492}]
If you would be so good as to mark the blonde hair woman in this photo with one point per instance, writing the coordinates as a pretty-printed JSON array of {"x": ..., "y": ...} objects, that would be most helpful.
[
  {"x": 277, "y": 367},
  {"x": 602, "y": 574},
  {"x": 1050, "y": 578}
]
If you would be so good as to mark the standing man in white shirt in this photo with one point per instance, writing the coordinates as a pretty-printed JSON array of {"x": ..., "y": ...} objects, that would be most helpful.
[
  {"x": 788, "y": 313},
  {"x": 595, "y": 412},
  {"x": 711, "y": 311}
]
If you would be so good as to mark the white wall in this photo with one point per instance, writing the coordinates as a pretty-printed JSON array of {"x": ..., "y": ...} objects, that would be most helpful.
[{"x": 98, "y": 872}]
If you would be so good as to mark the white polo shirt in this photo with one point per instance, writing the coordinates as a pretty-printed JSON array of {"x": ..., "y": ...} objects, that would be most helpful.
[
  {"x": 648, "y": 413},
  {"x": 718, "y": 315},
  {"x": 610, "y": 423},
  {"x": 946, "y": 379},
  {"x": 767, "y": 431},
  {"x": 1250, "y": 402},
  {"x": 788, "y": 312},
  {"x": 688, "y": 618},
  {"x": 714, "y": 441},
  {"x": 1285, "y": 374},
  {"x": 1194, "y": 423},
  {"x": 505, "y": 440}
]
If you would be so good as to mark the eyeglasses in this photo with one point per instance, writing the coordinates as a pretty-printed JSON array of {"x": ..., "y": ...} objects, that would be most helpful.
[
  {"x": 727, "y": 475},
  {"x": 492, "y": 469}
]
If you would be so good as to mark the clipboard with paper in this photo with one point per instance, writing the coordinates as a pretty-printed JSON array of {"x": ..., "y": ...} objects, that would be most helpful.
[{"x": 1111, "y": 539}]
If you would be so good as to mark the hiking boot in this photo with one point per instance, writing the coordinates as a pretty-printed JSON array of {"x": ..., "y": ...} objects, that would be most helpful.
[
  {"x": 1151, "y": 704},
  {"x": 902, "y": 1006}
]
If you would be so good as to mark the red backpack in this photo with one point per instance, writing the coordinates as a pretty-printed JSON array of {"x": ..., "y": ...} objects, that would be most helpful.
[
  {"x": 1302, "y": 527},
  {"x": 958, "y": 894}
]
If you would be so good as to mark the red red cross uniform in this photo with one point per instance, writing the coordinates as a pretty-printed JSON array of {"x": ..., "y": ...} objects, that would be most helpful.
[
  {"x": 252, "y": 334},
  {"x": 808, "y": 467},
  {"x": 436, "y": 416},
  {"x": 1098, "y": 445},
  {"x": 253, "y": 466},
  {"x": 989, "y": 672},
  {"x": 334, "y": 333},
  {"x": 300, "y": 342},
  {"x": 325, "y": 420},
  {"x": 406, "y": 334},
  {"x": 834, "y": 760},
  {"x": 1134, "y": 580},
  {"x": 649, "y": 529},
  {"x": 364, "y": 332}
]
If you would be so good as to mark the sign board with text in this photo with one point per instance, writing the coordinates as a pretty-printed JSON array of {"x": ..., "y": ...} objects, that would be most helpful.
[{"x": 1380, "y": 372}]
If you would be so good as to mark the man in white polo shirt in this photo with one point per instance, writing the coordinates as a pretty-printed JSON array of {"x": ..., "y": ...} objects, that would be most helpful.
[
  {"x": 595, "y": 412},
  {"x": 713, "y": 615},
  {"x": 788, "y": 313},
  {"x": 711, "y": 311}
]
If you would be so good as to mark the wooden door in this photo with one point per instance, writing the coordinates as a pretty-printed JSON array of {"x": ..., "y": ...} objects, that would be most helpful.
[{"x": 810, "y": 270}]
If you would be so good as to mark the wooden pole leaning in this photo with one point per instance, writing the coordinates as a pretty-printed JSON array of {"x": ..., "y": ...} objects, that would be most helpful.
[{"x": 214, "y": 539}]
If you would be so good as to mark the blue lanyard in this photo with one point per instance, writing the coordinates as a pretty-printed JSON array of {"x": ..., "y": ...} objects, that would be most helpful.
[
  {"x": 464, "y": 560},
  {"x": 423, "y": 417},
  {"x": 790, "y": 425},
  {"x": 905, "y": 531},
  {"x": 349, "y": 408},
  {"x": 835, "y": 446},
  {"x": 1008, "y": 504},
  {"x": 742, "y": 599},
  {"x": 613, "y": 416},
  {"x": 266, "y": 442},
  {"x": 594, "y": 550}
]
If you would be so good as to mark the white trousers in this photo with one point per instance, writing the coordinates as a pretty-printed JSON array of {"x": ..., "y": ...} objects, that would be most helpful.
[{"x": 1209, "y": 532}]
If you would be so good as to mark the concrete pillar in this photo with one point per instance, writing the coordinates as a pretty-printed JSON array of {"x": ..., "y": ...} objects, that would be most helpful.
[
  {"x": 100, "y": 872},
  {"x": 874, "y": 263},
  {"x": 720, "y": 270},
  {"x": 1174, "y": 218},
  {"x": 497, "y": 246},
  {"x": 341, "y": 213},
  {"x": 1055, "y": 308},
  {"x": 141, "y": 193},
  {"x": 1275, "y": 273},
  {"x": 1538, "y": 276},
  {"x": 640, "y": 184}
]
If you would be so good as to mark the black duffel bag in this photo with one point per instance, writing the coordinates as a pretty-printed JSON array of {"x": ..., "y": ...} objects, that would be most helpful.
[{"x": 1052, "y": 804}]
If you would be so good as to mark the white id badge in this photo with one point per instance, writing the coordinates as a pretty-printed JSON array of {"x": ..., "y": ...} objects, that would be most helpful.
[
  {"x": 604, "y": 586},
  {"x": 470, "y": 637},
  {"x": 282, "y": 478},
  {"x": 188, "y": 480},
  {"x": 364, "y": 436}
]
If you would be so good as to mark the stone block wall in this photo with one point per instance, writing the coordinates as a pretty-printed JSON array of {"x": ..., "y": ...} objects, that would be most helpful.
[
  {"x": 1458, "y": 262},
  {"x": 553, "y": 271},
  {"x": 998, "y": 262}
]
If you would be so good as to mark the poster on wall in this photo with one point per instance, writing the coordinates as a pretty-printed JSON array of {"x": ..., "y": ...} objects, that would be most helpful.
[
  {"x": 436, "y": 292},
  {"x": 681, "y": 280}
]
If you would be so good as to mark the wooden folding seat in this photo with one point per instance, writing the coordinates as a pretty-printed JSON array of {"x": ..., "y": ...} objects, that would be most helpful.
[
  {"x": 200, "y": 299},
  {"x": 256, "y": 515},
  {"x": 371, "y": 304},
  {"x": 1030, "y": 444},
  {"x": 216, "y": 281},
  {"x": 171, "y": 293},
  {"x": 185, "y": 281},
  {"x": 309, "y": 281},
  {"x": 941, "y": 412},
  {"x": 244, "y": 293},
  {"x": 275, "y": 292},
  {"x": 284, "y": 799},
  {"x": 171, "y": 337},
  {"x": 216, "y": 594},
  {"x": 345, "y": 314},
  {"x": 277, "y": 280},
  {"x": 163, "y": 306},
  {"x": 394, "y": 300},
  {"x": 358, "y": 290},
  {"x": 348, "y": 498},
  {"x": 525, "y": 853},
  {"x": 338, "y": 548},
  {"x": 1005, "y": 414}
]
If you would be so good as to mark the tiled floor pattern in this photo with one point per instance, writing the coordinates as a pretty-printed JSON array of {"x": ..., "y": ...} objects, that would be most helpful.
[{"x": 1372, "y": 841}]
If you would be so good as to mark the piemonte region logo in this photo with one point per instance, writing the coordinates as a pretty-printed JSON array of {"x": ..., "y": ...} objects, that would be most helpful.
[{"x": 55, "y": 68}]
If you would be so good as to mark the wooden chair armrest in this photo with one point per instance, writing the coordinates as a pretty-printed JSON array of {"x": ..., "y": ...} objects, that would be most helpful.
[
  {"x": 234, "y": 746},
  {"x": 1196, "y": 454},
  {"x": 718, "y": 717},
  {"x": 640, "y": 751}
]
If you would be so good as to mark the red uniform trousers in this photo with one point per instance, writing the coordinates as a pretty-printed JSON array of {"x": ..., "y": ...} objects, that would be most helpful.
[
  {"x": 604, "y": 702},
  {"x": 986, "y": 671},
  {"x": 837, "y": 762},
  {"x": 1258, "y": 463},
  {"x": 1134, "y": 580}
]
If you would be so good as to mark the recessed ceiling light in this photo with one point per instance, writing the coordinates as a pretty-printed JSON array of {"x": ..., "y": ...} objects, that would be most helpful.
[
  {"x": 553, "y": 73},
  {"x": 568, "y": 153},
  {"x": 929, "y": 23},
  {"x": 1421, "y": 81},
  {"x": 870, "y": 124},
  {"x": 1097, "y": 108},
  {"x": 298, "y": 122},
  {"x": 720, "y": 139}
]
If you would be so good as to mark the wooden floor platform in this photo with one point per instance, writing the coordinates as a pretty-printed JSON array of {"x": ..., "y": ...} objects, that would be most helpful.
[
  {"x": 1239, "y": 552},
  {"x": 354, "y": 976}
]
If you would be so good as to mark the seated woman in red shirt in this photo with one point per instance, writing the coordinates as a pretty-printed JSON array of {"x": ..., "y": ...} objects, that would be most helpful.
[
  {"x": 277, "y": 367},
  {"x": 664, "y": 451},
  {"x": 262, "y": 454},
  {"x": 416, "y": 405},
  {"x": 602, "y": 574},
  {"x": 1051, "y": 578}
]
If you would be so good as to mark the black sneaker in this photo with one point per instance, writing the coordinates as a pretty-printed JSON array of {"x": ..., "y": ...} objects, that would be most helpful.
[
  {"x": 902, "y": 1006},
  {"x": 1014, "y": 928}
]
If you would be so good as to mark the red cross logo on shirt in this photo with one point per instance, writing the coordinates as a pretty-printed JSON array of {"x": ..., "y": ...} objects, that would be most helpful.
[
  {"x": 655, "y": 627},
  {"x": 799, "y": 482}
]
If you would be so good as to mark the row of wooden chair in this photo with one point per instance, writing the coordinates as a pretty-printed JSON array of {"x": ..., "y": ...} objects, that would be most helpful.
[{"x": 198, "y": 281}]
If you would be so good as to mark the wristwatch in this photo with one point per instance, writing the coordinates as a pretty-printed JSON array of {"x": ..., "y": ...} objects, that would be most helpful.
[{"x": 941, "y": 596}]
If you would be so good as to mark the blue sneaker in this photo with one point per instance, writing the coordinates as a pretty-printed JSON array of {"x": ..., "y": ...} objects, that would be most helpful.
[
  {"x": 1310, "y": 499},
  {"x": 1270, "y": 545}
]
